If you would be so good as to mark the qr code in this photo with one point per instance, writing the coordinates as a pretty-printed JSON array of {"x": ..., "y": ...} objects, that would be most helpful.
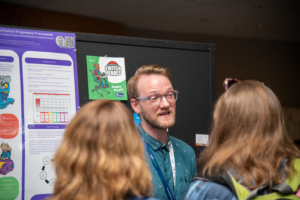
[{"x": 69, "y": 42}]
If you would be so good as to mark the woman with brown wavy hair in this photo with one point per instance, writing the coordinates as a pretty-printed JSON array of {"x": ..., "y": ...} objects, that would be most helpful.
[
  {"x": 249, "y": 141},
  {"x": 101, "y": 156}
]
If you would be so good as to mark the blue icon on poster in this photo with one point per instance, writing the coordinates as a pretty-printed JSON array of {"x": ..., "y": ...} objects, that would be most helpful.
[{"x": 4, "y": 91}]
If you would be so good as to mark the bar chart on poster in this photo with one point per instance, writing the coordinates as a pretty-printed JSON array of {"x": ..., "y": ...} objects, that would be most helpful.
[{"x": 51, "y": 108}]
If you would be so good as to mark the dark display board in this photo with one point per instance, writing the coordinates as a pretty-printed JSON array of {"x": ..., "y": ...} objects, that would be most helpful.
[{"x": 192, "y": 68}]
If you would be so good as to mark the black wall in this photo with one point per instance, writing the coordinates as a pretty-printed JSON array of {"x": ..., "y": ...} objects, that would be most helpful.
[{"x": 192, "y": 68}]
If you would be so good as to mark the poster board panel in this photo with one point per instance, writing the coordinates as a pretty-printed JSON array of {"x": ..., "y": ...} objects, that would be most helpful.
[{"x": 192, "y": 68}]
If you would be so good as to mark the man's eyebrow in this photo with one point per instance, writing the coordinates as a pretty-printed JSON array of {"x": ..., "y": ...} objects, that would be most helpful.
[{"x": 154, "y": 92}]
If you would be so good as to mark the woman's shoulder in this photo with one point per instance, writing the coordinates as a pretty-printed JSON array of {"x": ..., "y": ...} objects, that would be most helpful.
[{"x": 203, "y": 190}]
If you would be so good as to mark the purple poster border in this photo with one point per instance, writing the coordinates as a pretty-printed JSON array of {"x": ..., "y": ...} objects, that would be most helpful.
[{"x": 39, "y": 41}]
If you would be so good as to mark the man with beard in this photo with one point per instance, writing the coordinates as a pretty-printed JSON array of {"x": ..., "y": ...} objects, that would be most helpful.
[{"x": 171, "y": 161}]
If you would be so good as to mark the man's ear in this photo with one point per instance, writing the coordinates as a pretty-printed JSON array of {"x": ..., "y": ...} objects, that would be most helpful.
[{"x": 135, "y": 106}]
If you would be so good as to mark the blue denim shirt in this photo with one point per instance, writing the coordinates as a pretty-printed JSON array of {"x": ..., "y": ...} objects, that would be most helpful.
[
  {"x": 205, "y": 190},
  {"x": 185, "y": 165}
]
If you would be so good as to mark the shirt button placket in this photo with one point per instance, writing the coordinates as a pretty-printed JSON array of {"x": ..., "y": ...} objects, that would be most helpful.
[{"x": 164, "y": 156}]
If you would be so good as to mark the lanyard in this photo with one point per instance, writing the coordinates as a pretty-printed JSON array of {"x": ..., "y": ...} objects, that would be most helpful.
[
  {"x": 161, "y": 176},
  {"x": 172, "y": 159}
]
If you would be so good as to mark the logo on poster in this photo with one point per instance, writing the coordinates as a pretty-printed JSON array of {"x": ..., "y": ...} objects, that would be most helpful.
[
  {"x": 113, "y": 69},
  {"x": 60, "y": 41},
  {"x": 120, "y": 94}
]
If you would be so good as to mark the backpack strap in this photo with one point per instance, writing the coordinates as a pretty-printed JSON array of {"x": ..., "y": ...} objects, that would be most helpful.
[
  {"x": 254, "y": 193},
  {"x": 283, "y": 188}
]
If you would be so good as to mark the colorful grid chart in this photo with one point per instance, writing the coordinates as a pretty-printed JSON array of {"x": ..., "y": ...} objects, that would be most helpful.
[
  {"x": 51, "y": 108},
  {"x": 200, "y": 144}
]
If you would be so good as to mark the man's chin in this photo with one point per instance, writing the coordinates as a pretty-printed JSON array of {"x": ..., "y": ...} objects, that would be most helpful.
[
  {"x": 160, "y": 122},
  {"x": 161, "y": 125},
  {"x": 165, "y": 125}
]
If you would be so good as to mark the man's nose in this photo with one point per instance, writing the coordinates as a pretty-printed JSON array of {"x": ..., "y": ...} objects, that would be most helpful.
[{"x": 164, "y": 102}]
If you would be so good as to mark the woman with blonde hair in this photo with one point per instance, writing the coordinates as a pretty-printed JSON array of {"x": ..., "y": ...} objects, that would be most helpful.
[
  {"x": 250, "y": 154},
  {"x": 101, "y": 156}
]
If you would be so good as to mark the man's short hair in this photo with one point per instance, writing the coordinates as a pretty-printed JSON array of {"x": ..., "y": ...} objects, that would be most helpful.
[{"x": 144, "y": 70}]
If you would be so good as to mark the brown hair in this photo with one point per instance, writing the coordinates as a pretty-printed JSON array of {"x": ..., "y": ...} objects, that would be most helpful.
[
  {"x": 144, "y": 70},
  {"x": 101, "y": 155},
  {"x": 249, "y": 136}
]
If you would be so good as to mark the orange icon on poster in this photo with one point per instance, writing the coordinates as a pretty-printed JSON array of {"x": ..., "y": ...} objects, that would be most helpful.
[{"x": 9, "y": 124}]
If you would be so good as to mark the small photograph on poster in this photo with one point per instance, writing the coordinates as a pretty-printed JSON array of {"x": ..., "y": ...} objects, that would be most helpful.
[
  {"x": 202, "y": 140},
  {"x": 106, "y": 78}
]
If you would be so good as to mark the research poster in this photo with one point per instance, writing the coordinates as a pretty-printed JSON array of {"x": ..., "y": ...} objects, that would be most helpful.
[
  {"x": 106, "y": 78},
  {"x": 38, "y": 97}
]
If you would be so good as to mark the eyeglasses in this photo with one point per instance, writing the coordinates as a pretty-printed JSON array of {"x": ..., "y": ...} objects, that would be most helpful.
[
  {"x": 228, "y": 82},
  {"x": 155, "y": 100}
]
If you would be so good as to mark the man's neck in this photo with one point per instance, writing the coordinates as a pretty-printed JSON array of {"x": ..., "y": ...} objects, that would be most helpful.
[{"x": 159, "y": 134}]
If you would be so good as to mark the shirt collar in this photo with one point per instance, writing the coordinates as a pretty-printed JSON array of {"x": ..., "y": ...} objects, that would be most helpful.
[{"x": 151, "y": 141}]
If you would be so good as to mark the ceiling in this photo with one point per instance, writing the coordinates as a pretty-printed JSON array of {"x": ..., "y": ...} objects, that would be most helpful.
[{"x": 255, "y": 19}]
